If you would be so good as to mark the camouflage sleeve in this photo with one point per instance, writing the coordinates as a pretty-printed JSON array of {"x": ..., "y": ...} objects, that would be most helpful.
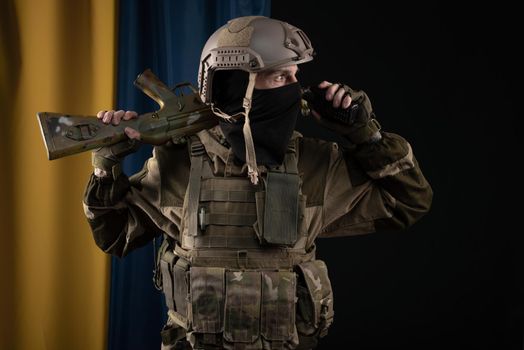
[
  {"x": 373, "y": 187},
  {"x": 125, "y": 214}
]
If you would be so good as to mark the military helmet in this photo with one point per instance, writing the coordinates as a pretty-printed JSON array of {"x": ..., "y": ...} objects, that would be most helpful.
[{"x": 252, "y": 44}]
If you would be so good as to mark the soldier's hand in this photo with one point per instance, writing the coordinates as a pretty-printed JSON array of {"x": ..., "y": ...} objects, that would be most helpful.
[
  {"x": 106, "y": 160},
  {"x": 336, "y": 93},
  {"x": 115, "y": 117},
  {"x": 362, "y": 127},
  {"x": 340, "y": 98}
]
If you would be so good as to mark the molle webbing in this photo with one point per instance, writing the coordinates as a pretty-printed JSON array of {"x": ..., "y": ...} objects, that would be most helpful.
[
  {"x": 226, "y": 219},
  {"x": 226, "y": 214},
  {"x": 262, "y": 258},
  {"x": 232, "y": 237},
  {"x": 226, "y": 202},
  {"x": 230, "y": 212},
  {"x": 227, "y": 196},
  {"x": 227, "y": 190}
]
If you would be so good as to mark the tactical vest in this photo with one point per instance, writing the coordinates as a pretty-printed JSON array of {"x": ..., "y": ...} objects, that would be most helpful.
[{"x": 233, "y": 279}]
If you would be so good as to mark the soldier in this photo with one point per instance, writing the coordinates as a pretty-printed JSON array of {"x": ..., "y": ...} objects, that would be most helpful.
[{"x": 240, "y": 205}]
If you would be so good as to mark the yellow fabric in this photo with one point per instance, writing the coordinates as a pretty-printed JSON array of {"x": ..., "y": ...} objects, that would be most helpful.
[{"x": 55, "y": 56}]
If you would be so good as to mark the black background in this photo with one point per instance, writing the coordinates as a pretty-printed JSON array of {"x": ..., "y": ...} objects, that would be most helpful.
[{"x": 447, "y": 80}]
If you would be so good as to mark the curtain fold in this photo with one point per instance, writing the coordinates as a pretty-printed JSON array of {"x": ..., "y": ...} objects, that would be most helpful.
[
  {"x": 167, "y": 37},
  {"x": 9, "y": 78},
  {"x": 56, "y": 56}
]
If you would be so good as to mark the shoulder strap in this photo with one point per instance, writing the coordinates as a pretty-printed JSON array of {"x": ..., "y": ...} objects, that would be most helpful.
[
  {"x": 195, "y": 179},
  {"x": 289, "y": 165}
]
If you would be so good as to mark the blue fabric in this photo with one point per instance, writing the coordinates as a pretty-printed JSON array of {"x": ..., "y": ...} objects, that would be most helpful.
[{"x": 167, "y": 37}]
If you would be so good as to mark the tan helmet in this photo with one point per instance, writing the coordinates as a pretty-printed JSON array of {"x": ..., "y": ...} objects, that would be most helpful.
[{"x": 252, "y": 44}]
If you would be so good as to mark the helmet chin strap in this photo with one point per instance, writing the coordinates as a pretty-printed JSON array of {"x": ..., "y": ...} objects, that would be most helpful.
[{"x": 251, "y": 159}]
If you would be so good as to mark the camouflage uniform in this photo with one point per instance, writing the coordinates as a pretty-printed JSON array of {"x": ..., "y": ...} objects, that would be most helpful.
[
  {"x": 227, "y": 283},
  {"x": 237, "y": 263}
]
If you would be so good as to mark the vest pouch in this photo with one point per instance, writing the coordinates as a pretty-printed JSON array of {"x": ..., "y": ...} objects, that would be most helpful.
[
  {"x": 278, "y": 305},
  {"x": 207, "y": 299},
  {"x": 243, "y": 300},
  {"x": 278, "y": 209},
  {"x": 174, "y": 272},
  {"x": 315, "y": 299},
  {"x": 167, "y": 261},
  {"x": 181, "y": 291}
]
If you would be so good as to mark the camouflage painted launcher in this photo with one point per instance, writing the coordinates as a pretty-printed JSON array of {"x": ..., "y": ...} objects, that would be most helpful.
[{"x": 179, "y": 115}]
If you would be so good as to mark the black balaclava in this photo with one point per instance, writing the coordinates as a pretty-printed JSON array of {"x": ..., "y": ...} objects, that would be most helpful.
[{"x": 273, "y": 115}]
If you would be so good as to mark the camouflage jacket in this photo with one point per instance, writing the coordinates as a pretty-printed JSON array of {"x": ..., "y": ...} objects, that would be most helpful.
[
  {"x": 252, "y": 301},
  {"x": 349, "y": 192}
]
